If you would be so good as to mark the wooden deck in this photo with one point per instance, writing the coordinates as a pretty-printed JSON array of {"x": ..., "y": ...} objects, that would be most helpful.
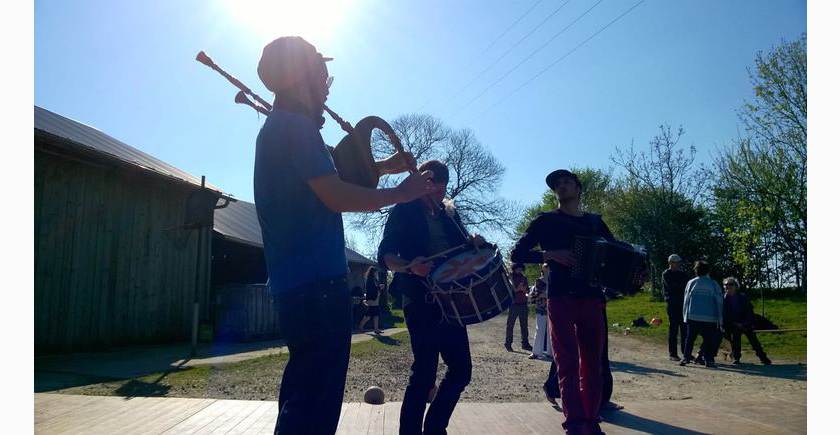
[{"x": 61, "y": 413}]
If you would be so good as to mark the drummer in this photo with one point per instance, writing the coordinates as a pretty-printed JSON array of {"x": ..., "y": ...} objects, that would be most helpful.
[{"x": 414, "y": 231}]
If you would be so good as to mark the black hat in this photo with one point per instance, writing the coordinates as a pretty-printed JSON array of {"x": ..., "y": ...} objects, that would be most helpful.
[{"x": 551, "y": 179}]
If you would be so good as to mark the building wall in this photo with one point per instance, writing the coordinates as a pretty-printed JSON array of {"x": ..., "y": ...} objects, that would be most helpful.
[{"x": 112, "y": 264}]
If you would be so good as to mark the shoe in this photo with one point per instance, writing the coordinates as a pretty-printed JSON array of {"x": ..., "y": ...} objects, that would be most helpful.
[
  {"x": 766, "y": 361},
  {"x": 684, "y": 362},
  {"x": 610, "y": 406},
  {"x": 699, "y": 360},
  {"x": 508, "y": 348},
  {"x": 546, "y": 357},
  {"x": 711, "y": 364},
  {"x": 736, "y": 362},
  {"x": 377, "y": 331},
  {"x": 533, "y": 356},
  {"x": 674, "y": 358},
  {"x": 527, "y": 347}
]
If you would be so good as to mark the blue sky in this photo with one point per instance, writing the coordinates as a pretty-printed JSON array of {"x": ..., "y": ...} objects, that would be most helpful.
[{"x": 127, "y": 68}]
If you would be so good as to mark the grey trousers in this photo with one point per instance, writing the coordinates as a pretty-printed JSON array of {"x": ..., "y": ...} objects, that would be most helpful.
[{"x": 519, "y": 311}]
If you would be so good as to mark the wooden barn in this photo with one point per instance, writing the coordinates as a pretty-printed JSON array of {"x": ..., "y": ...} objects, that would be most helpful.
[
  {"x": 126, "y": 244},
  {"x": 122, "y": 241},
  {"x": 242, "y": 308}
]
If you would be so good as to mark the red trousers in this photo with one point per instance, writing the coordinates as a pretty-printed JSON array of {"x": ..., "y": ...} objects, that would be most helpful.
[{"x": 577, "y": 333}]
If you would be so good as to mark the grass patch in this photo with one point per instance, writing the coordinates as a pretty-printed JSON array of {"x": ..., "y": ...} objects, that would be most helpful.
[{"x": 788, "y": 311}]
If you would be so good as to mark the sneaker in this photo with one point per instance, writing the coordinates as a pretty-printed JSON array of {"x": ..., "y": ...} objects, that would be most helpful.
[
  {"x": 526, "y": 346},
  {"x": 533, "y": 356},
  {"x": 610, "y": 406},
  {"x": 699, "y": 360},
  {"x": 377, "y": 331},
  {"x": 711, "y": 364},
  {"x": 674, "y": 358},
  {"x": 766, "y": 361},
  {"x": 508, "y": 348},
  {"x": 684, "y": 362},
  {"x": 736, "y": 362}
]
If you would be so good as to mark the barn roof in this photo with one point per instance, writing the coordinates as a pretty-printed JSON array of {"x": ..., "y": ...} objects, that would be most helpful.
[
  {"x": 85, "y": 138},
  {"x": 238, "y": 222}
]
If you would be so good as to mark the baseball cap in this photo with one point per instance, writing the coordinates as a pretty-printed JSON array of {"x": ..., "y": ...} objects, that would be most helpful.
[{"x": 551, "y": 179}]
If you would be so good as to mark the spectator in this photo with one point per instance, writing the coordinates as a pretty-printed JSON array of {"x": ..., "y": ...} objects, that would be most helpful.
[
  {"x": 738, "y": 318},
  {"x": 539, "y": 296},
  {"x": 519, "y": 308},
  {"x": 703, "y": 314},
  {"x": 371, "y": 300},
  {"x": 673, "y": 289}
]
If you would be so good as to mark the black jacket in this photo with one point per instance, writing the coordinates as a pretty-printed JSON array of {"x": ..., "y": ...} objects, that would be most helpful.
[
  {"x": 737, "y": 308},
  {"x": 673, "y": 286},
  {"x": 407, "y": 235},
  {"x": 557, "y": 230}
]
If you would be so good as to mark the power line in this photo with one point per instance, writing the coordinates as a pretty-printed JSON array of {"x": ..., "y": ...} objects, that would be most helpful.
[
  {"x": 505, "y": 32},
  {"x": 568, "y": 53},
  {"x": 540, "y": 48},
  {"x": 501, "y": 35},
  {"x": 508, "y": 51}
]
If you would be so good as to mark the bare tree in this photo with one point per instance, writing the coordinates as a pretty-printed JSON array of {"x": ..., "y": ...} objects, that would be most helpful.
[
  {"x": 474, "y": 174},
  {"x": 665, "y": 167}
]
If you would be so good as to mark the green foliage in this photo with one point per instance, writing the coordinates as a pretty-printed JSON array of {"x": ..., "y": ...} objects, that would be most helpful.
[{"x": 763, "y": 176}]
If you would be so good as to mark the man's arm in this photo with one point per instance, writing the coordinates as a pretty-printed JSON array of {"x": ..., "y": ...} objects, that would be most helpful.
[
  {"x": 523, "y": 251},
  {"x": 341, "y": 196}
]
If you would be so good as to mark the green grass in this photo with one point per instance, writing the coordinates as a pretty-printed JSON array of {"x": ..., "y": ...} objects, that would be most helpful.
[{"x": 787, "y": 311}]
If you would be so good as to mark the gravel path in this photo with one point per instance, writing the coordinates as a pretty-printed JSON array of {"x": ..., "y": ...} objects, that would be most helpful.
[{"x": 641, "y": 371}]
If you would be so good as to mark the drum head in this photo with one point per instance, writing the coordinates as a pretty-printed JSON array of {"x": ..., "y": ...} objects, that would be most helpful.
[{"x": 464, "y": 265}]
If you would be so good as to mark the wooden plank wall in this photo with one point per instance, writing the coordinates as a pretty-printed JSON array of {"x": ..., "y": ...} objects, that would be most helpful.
[{"x": 112, "y": 266}]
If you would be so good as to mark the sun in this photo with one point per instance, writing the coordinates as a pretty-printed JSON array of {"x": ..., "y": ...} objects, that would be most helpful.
[{"x": 315, "y": 20}]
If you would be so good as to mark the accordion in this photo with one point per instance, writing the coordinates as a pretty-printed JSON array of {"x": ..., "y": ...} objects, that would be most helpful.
[{"x": 613, "y": 265}]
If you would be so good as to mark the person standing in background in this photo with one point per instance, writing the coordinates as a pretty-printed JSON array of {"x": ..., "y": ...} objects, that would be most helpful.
[{"x": 673, "y": 290}]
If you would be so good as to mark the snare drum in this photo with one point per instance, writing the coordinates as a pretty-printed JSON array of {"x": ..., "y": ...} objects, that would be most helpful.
[{"x": 471, "y": 285}]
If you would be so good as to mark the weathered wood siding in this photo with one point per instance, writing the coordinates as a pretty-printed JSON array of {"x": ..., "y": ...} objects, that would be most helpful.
[
  {"x": 112, "y": 265},
  {"x": 244, "y": 312}
]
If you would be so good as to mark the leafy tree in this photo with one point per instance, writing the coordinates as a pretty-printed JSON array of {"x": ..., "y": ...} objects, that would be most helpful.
[{"x": 763, "y": 176}]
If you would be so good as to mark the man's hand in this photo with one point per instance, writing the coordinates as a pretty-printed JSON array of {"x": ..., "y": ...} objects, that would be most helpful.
[
  {"x": 419, "y": 267},
  {"x": 415, "y": 185},
  {"x": 564, "y": 257},
  {"x": 396, "y": 163}
]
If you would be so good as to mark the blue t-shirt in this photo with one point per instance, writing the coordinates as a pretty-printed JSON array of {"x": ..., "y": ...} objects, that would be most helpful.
[{"x": 302, "y": 238}]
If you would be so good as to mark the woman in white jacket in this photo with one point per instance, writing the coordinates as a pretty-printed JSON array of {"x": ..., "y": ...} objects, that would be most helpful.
[{"x": 703, "y": 314}]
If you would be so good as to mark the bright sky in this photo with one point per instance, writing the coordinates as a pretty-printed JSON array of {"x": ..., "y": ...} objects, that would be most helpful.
[{"x": 128, "y": 69}]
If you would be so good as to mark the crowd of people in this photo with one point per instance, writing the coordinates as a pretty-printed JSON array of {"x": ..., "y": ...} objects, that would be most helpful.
[{"x": 699, "y": 307}]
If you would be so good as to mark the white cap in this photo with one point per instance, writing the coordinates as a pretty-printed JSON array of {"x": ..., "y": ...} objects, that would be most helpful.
[{"x": 674, "y": 258}]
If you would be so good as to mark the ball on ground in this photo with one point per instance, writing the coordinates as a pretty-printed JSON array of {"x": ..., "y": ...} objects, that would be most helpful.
[{"x": 374, "y": 396}]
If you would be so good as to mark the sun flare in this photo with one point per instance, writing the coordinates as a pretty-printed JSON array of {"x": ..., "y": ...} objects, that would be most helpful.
[{"x": 315, "y": 20}]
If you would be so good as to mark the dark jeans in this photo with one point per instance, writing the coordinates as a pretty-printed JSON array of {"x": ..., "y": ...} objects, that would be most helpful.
[
  {"x": 734, "y": 335},
  {"x": 432, "y": 336},
  {"x": 519, "y": 311},
  {"x": 675, "y": 326},
  {"x": 552, "y": 388},
  {"x": 316, "y": 321},
  {"x": 711, "y": 339}
]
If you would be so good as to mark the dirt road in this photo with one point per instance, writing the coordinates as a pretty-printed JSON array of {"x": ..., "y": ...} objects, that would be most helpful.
[{"x": 641, "y": 371}]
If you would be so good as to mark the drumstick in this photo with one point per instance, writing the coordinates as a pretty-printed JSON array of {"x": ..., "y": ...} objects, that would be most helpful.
[{"x": 439, "y": 254}]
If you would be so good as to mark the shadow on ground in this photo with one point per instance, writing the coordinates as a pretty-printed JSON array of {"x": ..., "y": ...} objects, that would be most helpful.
[
  {"x": 635, "y": 369},
  {"x": 794, "y": 372},
  {"x": 645, "y": 425}
]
